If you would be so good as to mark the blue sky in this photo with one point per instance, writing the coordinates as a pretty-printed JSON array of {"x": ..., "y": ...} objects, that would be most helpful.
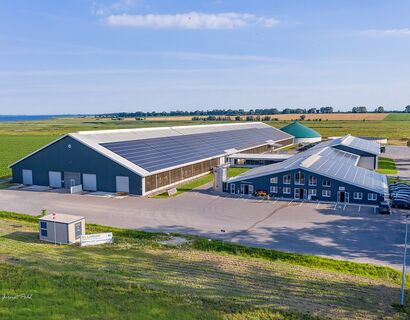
[{"x": 96, "y": 56}]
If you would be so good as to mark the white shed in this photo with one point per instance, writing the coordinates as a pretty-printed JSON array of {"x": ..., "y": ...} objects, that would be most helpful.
[{"x": 61, "y": 228}]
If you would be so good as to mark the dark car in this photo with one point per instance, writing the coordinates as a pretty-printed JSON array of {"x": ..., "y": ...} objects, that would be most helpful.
[
  {"x": 384, "y": 208},
  {"x": 399, "y": 202}
]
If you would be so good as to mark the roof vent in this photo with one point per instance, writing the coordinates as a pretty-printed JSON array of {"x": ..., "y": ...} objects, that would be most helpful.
[{"x": 310, "y": 161}]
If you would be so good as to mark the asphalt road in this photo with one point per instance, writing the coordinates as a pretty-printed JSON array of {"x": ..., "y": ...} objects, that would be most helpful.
[
  {"x": 353, "y": 233},
  {"x": 401, "y": 155}
]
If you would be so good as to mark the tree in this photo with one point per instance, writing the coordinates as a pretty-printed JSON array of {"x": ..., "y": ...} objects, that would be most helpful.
[
  {"x": 312, "y": 110},
  {"x": 407, "y": 109},
  {"x": 302, "y": 117},
  {"x": 379, "y": 109}
]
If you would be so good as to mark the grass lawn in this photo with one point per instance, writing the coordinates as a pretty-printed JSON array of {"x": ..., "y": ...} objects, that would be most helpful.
[
  {"x": 138, "y": 278},
  {"x": 386, "y": 166},
  {"x": 232, "y": 172}
]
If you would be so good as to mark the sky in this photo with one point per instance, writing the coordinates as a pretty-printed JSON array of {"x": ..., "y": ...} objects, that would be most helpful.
[{"x": 100, "y": 56}]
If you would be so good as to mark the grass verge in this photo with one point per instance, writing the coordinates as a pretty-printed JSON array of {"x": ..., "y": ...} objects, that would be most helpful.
[
  {"x": 138, "y": 278},
  {"x": 386, "y": 166}
]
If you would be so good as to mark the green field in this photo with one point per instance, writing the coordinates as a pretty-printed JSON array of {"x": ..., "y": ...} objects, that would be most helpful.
[
  {"x": 386, "y": 166},
  {"x": 139, "y": 278},
  {"x": 20, "y": 138},
  {"x": 14, "y": 147}
]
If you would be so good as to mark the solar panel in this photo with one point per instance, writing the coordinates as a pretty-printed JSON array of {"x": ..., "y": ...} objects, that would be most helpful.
[{"x": 158, "y": 153}]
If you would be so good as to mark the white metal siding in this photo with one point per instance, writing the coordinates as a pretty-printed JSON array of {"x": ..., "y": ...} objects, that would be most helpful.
[
  {"x": 27, "y": 177},
  {"x": 123, "y": 184},
  {"x": 89, "y": 182},
  {"x": 55, "y": 179}
]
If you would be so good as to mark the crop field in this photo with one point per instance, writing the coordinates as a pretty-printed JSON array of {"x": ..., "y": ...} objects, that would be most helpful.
[{"x": 139, "y": 278}]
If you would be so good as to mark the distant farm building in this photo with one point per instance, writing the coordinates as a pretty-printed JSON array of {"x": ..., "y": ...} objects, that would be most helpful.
[
  {"x": 142, "y": 161},
  {"x": 302, "y": 134}
]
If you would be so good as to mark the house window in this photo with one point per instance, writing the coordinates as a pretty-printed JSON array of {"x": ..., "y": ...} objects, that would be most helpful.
[
  {"x": 286, "y": 179},
  {"x": 313, "y": 192},
  {"x": 274, "y": 180},
  {"x": 312, "y": 181},
  {"x": 357, "y": 195},
  {"x": 299, "y": 178},
  {"x": 326, "y": 193},
  {"x": 43, "y": 228},
  {"x": 326, "y": 183},
  {"x": 287, "y": 190},
  {"x": 372, "y": 196},
  {"x": 274, "y": 189},
  {"x": 232, "y": 188}
]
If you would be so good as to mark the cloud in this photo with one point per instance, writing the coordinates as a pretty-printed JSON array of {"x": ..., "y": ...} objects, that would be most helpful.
[
  {"x": 192, "y": 20},
  {"x": 100, "y": 9},
  {"x": 404, "y": 32}
]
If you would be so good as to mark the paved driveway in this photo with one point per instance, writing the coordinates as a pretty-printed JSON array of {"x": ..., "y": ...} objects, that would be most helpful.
[
  {"x": 401, "y": 155},
  {"x": 351, "y": 232}
]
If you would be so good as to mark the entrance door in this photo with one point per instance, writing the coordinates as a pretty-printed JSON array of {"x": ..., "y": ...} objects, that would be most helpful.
[
  {"x": 343, "y": 196},
  {"x": 55, "y": 179},
  {"x": 27, "y": 177},
  {"x": 123, "y": 184},
  {"x": 89, "y": 182},
  {"x": 301, "y": 193},
  {"x": 71, "y": 179}
]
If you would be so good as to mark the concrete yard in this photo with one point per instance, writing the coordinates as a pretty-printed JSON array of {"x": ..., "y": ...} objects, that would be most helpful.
[{"x": 344, "y": 232}]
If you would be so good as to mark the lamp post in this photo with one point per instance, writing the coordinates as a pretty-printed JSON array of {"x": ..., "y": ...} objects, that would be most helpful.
[{"x": 403, "y": 275}]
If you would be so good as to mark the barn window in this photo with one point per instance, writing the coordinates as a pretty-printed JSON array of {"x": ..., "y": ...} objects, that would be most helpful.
[
  {"x": 299, "y": 178},
  {"x": 372, "y": 196},
  {"x": 326, "y": 183},
  {"x": 312, "y": 181},
  {"x": 326, "y": 193}
]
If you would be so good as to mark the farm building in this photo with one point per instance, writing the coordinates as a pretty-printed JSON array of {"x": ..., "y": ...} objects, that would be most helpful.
[
  {"x": 302, "y": 134},
  {"x": 142, "y": 161},
  {"x": 337, "y": 170}
]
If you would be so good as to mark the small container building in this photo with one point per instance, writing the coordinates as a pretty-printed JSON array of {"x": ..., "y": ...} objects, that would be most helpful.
[{"x": 61, "y": 228}]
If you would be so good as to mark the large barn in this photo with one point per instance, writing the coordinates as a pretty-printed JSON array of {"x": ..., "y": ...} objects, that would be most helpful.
[
  {"x": 339, "y": 170},
  {"x": 142, "y": 161}
]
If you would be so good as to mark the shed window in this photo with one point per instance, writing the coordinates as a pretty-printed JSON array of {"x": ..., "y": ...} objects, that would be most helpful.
[
  {"x": 326, "y": 193},
  {"x": 299, "y": 178},
  {"x": 286, "y": 179},
  {"x": 43, "y": 228},
  {"x": 312, "y": 181},
  {"x": 287, "y": 190},
  {"x": 326, "y": 183},
  {"x": 357, "y": 195},
  {"x": 372, "y": 196}
]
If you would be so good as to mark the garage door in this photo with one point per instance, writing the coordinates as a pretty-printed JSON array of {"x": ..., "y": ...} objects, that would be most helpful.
[
  {"x": 27, "y": 177},
  {"x": 55, "y": 179},
  {"x": 123, "y": 184},
  {"x": 89, "y": 182}
]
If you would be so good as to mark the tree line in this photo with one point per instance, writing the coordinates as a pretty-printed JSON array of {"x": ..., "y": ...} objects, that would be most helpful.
[{"x": 240, "y": 112}]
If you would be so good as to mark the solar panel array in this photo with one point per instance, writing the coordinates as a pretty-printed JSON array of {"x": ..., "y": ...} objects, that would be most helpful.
[{"x": 159, "y": 153}]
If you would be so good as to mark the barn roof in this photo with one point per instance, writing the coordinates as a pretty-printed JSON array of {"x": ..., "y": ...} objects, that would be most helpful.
[{"x": 152, "y": 150}]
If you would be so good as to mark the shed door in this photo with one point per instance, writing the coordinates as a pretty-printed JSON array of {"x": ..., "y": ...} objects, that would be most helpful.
[
  {"x": 78, "y": 230},
  {"x": 55, "y": 179},
  {"x": 123, "y": 184},
  {"x": 27, "y": 177},
  {"x": 89, "y": 182}
]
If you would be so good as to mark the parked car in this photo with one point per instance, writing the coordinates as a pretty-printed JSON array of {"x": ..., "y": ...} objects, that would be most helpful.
[
  {"x": 400, "y": 203},
  {"x": 384, "y": 208}
]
